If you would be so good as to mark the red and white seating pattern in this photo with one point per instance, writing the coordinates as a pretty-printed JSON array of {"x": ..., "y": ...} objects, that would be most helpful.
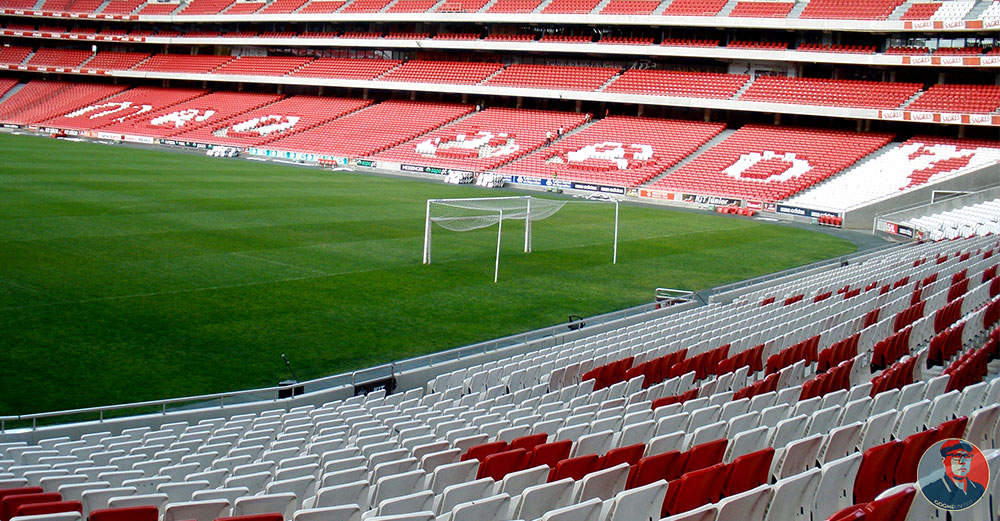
[
  {"x": 374, "y": 129},
  {"x": 262, "y": 65},
  {"x": 618, "y": 150},
  {"x": 485, "y": 140},
  {"x": 346, "y": 68},
  {"x": 426, "y": 71},
  {"x": 192, "y": 114},
  {"x": 275, "y": 121},
  {"x": 590, "y": 428},
  {"x": 694, "y": 7},
  {"x": 130, "y": 104},
  {"x": 847, "y": 10},
  {"x": 40, "y": 100},
  {"x": 771, "y": 163},
  {"x": 678, "y": 83},
  {"x": 918, "y": 161}
]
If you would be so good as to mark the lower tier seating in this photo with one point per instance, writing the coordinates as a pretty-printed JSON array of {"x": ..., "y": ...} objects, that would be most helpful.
[
  {"x": 918, "y": 161},
  {"x": 485, "y": 140},
  {"x": 967, "y": 221},
  {"x": 618, "y": 150},
  {"x": 771, "y": 163}
]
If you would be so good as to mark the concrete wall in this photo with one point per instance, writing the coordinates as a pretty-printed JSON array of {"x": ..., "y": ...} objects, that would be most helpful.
[{"x": 953, "y": 203}]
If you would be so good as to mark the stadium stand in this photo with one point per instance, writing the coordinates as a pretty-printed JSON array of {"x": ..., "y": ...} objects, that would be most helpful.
[
  {"x": 485, "y": 140},
  {"x": 552, "y": 76},
  {"x": 918, "y": 161},
  {"x": 201, "y": 7},
  {"x": 678, "y": 83},
  {"x": 183, "y": 63},
  {"x": 514, "y": 6},
  {"x": 319, "y": 6},
  {"x": 127, "y": 105},
  {"x": 59, "y": 57},
  {"x": 192, "y": 114},
  {"x": 467, "y": 73},
  {"x": 347, "y": 68},
  {"x": 6, "y": 84},
  {"x": 837, "y": 93},
  {"x": 283, "y": 6},
  {"x": 968, "y": 221},
  {"x": 762, "y": 9},
  {"x": 262, "y": 65},
  {"x": 570, "y": 6},
  {"x": 159, "y": 8},
  {"x": 280, "y": 119},
  {"x": 365, "y": 6},
  {"x": 764, "y": 46},
  {"x": 630, "y": 7},
  {"x": 115, "y": 61},
  {"x": 374, "y": 129},
  {"x": 694, "y": 7},
  {"x": 618, "y": 150},
  {"x": 846, "y": 10},
  {"x": 411, "y": 6},
  {"x": 244, "y": 7},
  {"x": 850, "y": 49},
  {"x": 958, "y": 98},
  {"x": 14, "y": 55},
  {"x": 591, "y": 424},
  {"x": 41, "y": 100},
  {"x": 771, "y": 163},
  {"x": 684, "y": 42}
]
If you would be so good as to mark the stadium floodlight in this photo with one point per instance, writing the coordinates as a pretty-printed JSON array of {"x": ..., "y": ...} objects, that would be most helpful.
[{"x": 463, "y": 215}]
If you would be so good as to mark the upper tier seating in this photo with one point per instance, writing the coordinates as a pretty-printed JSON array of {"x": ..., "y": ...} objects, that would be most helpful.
[
  {"x": 202, "y": 63},
  {"x": 323, "y": 6},
  {"x": 630, "y": 7},
  {"x": 464, "y": 73},
  {"x": 59, "y": 57},
  {"x": 374, "y": 129},
  {"x": 347, "y": 68},
  {"x": 958, "y": 98},
  {"x": 262, "y": 65},
  {"x": 771, "y": 163},
  {"x": 953, "y": 10},
  {"x": 618, "y": 150},
  {"x": 590, "y": 425},
  {"x": 694, "y": 7},
  {"x": 365, "y": 6},
  {"x": 40, "y": 100},
  {"x": 837, "y": 93},
  {"x": 461, "y": 6},
  {"x": 509, "y": 37},
  {"x": 958, "y": 51},
  {"x": 275, "y": 121},
  {"x": 689, "y": 43},
  {"x": 920, "y": 160},
  {"x": 967, "y": 221},
  {"x": 18, "y": 4},
  {"x": 485, "y": 140},
  {"x": 411, "y": 6},
  {"x": 115, "y": 61},
  {"x": 850, "y": 10},
  {"x": 552, "y": 77},
  {"x": 127, "y": 105},
  {"x": 907, "y": 50},
  {"x": 248, "y": 7},
  {"x": 570, "y": 6},
  {"x": 192, "y": 114},
  {"x": 457, "y": 36},
  {"x": 679, "y": 83},
  {"x": 202, "y": 7},
  {"x": 14, "y": 55},
  {"x": 514, "y": 6},
  {"x": 992, "y": 12},
  {"x": 766, "y": 46},
  {"x": 159, "y": 8},
  {"x": 283, "y": 6},
  {"x": 851, "y": 49},
  {"x": 921, "y": 11},
  {"x": 762, "y": 9}
]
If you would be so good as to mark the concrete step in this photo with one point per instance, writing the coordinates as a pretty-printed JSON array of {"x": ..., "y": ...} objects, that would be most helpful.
[{"x": 719, "y": 138}]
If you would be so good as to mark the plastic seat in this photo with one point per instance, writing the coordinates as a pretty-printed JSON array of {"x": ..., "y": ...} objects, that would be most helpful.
[
  {"x": 493, "y": 508},
  {"x": 748, "y": 471},
  {"x": 695, "y": 489},
  {"x": 195, "y": 510},
  {"x": 537, "y": 500},
  {"x": 749, "y": 505},
  {"x": 284, "y": 504},
  {"x": 575, "y": 468},
  {"x": 792, "y": 496},
  {"x": 463, "y": 493},
  {"x": 138, "y": 513},
  {"x": 355, "y": 492},
  {"x": 335, "y": 513},
  {"x": 876, "y": 472}
]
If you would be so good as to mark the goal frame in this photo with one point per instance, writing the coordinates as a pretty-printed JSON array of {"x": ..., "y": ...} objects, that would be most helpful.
[{"x": 428, "y": 226}]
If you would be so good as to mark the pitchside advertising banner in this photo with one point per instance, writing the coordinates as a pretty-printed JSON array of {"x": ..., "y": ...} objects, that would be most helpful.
[
  {"x": 297, "y": 156},
  {"x": 804, "y": 212},
  {"x": 435, "y": 170},
  {"x": 899, "y": 229},
  {"x": 559, "y": 183}
]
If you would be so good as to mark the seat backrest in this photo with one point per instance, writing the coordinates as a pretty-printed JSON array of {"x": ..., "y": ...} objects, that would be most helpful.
[
  {"x": 878, "y": 466},
  {"x": 575, "y": 468},
  {"x": 499, "y": 464},
  {"x": 142, "y": 513},
  {"x": 11, "y": 503},
  {"x": 537, "y": 500},
  {"x": 748, "y": 471}
]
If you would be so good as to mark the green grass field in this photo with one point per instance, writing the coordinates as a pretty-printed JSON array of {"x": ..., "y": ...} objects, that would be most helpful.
[{"x": 131, "y": 274}]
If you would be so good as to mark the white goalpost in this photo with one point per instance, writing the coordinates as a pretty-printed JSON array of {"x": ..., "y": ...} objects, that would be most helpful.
[{"x": 463, "y": 215}]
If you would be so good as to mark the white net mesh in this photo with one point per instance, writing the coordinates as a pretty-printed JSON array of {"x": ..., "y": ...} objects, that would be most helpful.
[{"x": 462, "y": 215}]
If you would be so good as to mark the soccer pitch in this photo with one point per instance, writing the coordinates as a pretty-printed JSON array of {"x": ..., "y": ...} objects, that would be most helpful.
[{"x": 130, "y": 274}]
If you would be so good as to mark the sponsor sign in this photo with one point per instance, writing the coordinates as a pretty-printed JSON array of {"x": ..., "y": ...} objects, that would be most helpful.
[
  {"x": 713, "y": 200},
  {"x": 989, "y": 60},
  {"x": 991, "y": 23},
  {"x": 423, "y": 169},
  {"x": 954, "y": 24},
  {"x": 921, "y": 24},
  {"x": 891, "y": 115},
  {"x": 921, "y": 116},
  {"x": 803, "y": 212},
  {"x": 980, "y": 119},
  {"x": 951, "y": 118},
  {"x": 755, "y": 205},
  {"x": 952, "y": 60},
  {"x": 898, "y": 229},
  {"x": 656, "y": 194},
  {"x": 589, "y": 187},
  {"x": 139, "y": 139},
  {"x": 370, "y": 163}
]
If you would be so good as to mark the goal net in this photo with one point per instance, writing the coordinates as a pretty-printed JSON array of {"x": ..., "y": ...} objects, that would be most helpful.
[{"x": 464, "y": 215}]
